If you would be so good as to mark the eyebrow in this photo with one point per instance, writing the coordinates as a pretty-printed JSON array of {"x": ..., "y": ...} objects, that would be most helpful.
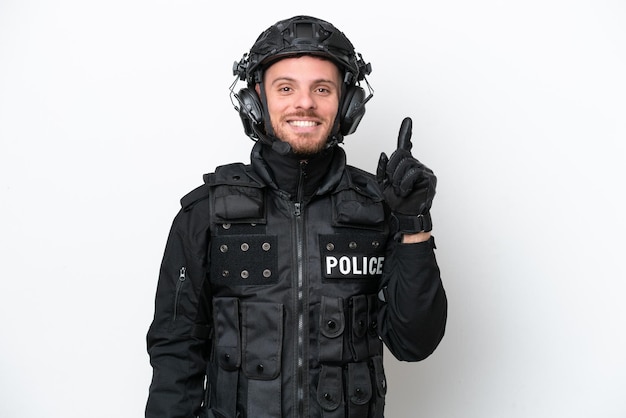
[{"x": 317, "y": 81}]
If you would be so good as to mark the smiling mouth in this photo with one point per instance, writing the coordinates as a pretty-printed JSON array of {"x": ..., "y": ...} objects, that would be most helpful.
[{"x": 303, "y": 123}]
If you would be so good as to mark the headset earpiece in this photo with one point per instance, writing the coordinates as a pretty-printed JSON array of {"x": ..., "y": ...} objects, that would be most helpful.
[
  {"x": 250, "y": 106},
  {"x": 352, "y": 110},
  {"x": 250, "y": 110}
]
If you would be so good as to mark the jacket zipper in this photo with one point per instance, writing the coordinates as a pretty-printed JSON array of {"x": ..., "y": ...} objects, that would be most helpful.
[
  {"x": 301, "y": 372},
  {"x": 182, "y": 276}
]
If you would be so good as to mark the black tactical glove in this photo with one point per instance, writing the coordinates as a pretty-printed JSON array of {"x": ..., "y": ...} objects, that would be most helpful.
[{"x": 408, "y": 185}]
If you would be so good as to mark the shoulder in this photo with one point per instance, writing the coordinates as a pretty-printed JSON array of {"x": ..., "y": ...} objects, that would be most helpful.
[
  {"x": 234, "y": 173},
  {"x": 193, "y": 197},
  {"x": 358, "y": 173}
]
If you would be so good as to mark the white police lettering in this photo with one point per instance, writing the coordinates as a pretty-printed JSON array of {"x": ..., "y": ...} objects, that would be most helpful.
[{"x": 354, "y": 266}]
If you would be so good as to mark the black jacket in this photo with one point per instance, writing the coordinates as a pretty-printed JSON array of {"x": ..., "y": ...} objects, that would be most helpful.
[{"x": 272, "y": 298}]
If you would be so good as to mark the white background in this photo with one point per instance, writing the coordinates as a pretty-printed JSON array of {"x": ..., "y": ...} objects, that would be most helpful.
[{"x": 110, "y": 111}]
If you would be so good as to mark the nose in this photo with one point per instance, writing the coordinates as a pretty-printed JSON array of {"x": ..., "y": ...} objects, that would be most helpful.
[{"x": 304, "y": 100}]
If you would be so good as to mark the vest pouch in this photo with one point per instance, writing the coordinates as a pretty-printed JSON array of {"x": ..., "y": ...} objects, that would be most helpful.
[
  {"x": 262, "y": 338},
  {"x": 234, "y": 203},
  {"x": 355, "y": 209},
  {"x": 380, "y": 382},
  {"x": 359, "y": 390},
  {"x": 330, "y": 392},
  {"x": 332, "y": 325},
  {"x": 235, "y": 196},
  {"x": 373, "y": 339},
  {"x": 359, "y": 324},
  {"x": 227, "y": 354},
  {"x": 227, "y": 334}
]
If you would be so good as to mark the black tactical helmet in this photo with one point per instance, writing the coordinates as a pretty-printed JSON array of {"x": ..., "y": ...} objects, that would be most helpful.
[{"x": 302, "y": 35}]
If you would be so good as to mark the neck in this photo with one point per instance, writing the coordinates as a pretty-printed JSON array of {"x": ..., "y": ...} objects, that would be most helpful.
[{"x": 291, "y": 172}]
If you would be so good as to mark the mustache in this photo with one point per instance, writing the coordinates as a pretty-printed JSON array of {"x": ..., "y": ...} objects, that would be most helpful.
[{"x": 302, "y": 114}]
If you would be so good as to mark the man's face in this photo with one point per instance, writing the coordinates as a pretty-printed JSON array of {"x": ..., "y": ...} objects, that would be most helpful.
[{"x": 302, "y": 99}]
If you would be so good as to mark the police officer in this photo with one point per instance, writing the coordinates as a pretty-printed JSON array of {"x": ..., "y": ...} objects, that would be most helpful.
[{"x": 283, "y": 278}]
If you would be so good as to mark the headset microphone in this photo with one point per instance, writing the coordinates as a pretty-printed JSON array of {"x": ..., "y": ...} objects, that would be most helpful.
[{"x": 281, "y": 147}]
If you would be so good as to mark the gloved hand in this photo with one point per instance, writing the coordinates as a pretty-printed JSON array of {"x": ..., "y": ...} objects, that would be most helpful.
[{"x": 407, "y": 184}]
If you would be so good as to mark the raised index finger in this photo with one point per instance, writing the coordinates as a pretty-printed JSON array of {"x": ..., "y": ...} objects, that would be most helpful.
[{"x": 404, "y": 137}]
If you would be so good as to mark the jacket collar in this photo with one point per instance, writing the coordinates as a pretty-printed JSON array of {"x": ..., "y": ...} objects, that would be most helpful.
[{"x": 292, "y": 175}]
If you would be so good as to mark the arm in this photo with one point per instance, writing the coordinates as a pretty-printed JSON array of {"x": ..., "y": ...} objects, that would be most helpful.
[
  {"x": 177, "y": 339},
  {"x": 413, "y": 312}
]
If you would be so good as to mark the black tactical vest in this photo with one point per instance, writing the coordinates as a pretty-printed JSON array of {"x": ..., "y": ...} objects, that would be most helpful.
[{"x": 293, "y": 291}]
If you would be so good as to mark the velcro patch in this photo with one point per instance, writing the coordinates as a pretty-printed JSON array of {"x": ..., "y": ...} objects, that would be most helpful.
[{"x": 238, "y": 260}]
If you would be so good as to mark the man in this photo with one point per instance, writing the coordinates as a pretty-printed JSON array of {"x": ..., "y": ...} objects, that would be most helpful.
[{"x": 282, "y": 278}]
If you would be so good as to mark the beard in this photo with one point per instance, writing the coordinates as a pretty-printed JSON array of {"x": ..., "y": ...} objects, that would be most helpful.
[
  {"x": 307, "y": 148},
  {"x": 303, "y": 144}
]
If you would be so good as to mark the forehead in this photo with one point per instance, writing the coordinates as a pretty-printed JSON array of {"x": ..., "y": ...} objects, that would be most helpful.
[{"x": 303, "y": 66}]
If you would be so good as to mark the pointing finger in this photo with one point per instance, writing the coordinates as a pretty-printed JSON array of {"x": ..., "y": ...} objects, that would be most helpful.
[{"x": 404, "y": 137}]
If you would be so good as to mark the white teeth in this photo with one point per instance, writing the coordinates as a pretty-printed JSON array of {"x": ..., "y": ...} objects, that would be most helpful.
[{"x": 302, "y": 123}]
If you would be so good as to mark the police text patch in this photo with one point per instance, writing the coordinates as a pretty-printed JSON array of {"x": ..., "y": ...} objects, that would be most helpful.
[{"x": 352, "y": 256}]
